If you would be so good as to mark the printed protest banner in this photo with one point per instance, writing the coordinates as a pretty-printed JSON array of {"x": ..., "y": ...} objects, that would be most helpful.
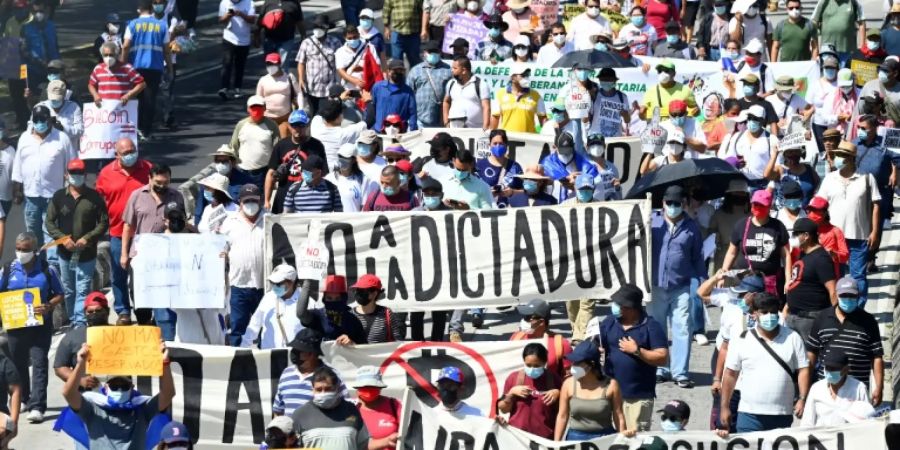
[
  {"x": 427, "y": 428},
  {"x": 179, "y": 271},
  {"x": 450, "y": 259},
  {"x": 124, "y": 351},
  {"x": 17, "y": 308},
  {"x": 525, "y": 148},
  {"x": 460, "y": 25},
  {"x": 104, "y": 125},
  {"x": 313, "y": 263}
]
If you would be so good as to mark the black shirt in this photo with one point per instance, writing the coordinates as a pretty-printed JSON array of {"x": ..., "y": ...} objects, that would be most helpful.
[
  {"x": 85, "y": 217},
  {"x": 67, "y": 352},
  {"x": 292, "y": 14},
  {"x": 763, "y": 245},
  {"x": 858, "y": 337},
  {"x": 806, "y": 290},
  {"x": 8, "y": 377},
  {"x": 282, "y": 153},
  {"x": 771, "y": 115}
]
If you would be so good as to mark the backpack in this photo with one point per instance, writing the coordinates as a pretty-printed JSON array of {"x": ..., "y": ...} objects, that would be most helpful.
[
  {"x": 475, "y": 79},
  {"x": 762, "y": 74},
  {"x": 45, "y": 269},
  {"x": 272, "y": 19}
]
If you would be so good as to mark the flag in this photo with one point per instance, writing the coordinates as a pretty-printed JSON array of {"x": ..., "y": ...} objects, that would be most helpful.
[
  {"x": 371, "y": 69},
  {"x": 23, "y": 72}
]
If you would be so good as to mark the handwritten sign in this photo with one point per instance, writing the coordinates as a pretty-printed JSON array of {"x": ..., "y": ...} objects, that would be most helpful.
[
  {"x": 124, "y": 351},
  {"x": 793, "y": 141},
  {"x": 892, "y": 139},
  {"x": 864, "y": 71},
  {"x": 570, "y": 12},
  {"x": 183, "y": 271},
  {"x": 653, "y": 139},
  {"x": 462, "y": 26},
  {"x": 17, "y": 308},
  {"x": 103, "y": 126},
  {"x": 548, "y": 10},
  {"x": 312, "y": 263}
]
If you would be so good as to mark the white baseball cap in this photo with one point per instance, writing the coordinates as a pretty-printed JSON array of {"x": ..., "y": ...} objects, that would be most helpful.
[
  {"x": 367, "y": 13},
  {"x": 754, "y": 46},
  {"x": 283, "y": 272},
  {"x": 845, "y": 78},
  {"x": 519, "y": 68},
  {"x": 256, "y": 100},
  {"x": 347, "y": 150}
]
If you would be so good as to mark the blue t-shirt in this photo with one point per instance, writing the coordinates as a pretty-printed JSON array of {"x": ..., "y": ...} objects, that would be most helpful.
[
  {"x": 637, "y": 379},
  {"x": 148, "y": 38},
  {"x": 490, "y": 174}
]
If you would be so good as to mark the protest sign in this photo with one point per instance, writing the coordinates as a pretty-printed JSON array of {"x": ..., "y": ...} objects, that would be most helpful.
[
  {"x": 444, "y": 260},
  {"x": 864, "y": 71},
  {"x": 427, "y": 428},
  {"x": 654, "y": 136},
  {"x": 314, "y": 256},
  {"x": 179, "y": 271},
  {"x": 124, "y": 351},
  {"x": 548, "y": 10},
  {"x": 793, "y": 141},
  {"x": 460, "y": 25},
  {"x": 17, "y": 308},
  {"x": 570, "y": 11},
  {"x": 105, "y": 125},
  {"x": 892, "y": 139}
]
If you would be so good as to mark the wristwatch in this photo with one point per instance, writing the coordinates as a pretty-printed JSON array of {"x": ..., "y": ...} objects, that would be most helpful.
[{"x": 637, "y": 352}]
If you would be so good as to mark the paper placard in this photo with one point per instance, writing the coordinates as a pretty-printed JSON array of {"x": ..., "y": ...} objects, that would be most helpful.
[
  {"x": 17, "y": 308},
  {"x": 793, "y": 141},
  {"x": 105, "y": 125},
  {"x": 185, "y": 271},
  {"x": 130, "y": 351},
  {"x": 892, "y": 139},
  {"x": 460, "y": 25}
]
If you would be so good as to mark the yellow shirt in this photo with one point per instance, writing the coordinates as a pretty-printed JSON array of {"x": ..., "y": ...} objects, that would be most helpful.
[
  {"x": 517, "y": 112},
  {"x": 678, "y": 91}
]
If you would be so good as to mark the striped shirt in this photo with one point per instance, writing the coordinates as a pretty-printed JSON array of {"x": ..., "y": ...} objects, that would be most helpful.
[
  {"x": 375, "y": 325},
  {"x": 323, "y": 197},
  {"x": 858, "y": 337},
  {"x": 295, "y": 390},
  {"x": 113, "y": 84}
]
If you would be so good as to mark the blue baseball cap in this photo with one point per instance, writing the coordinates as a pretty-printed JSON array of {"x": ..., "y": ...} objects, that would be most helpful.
[
  {"x": 298, "y": 117},
  {"x": 584, "y": 181},
  {"x": 585, "y": 351},
  {"x": 752, "y": 283},
  {"x": 451, "y": 373},
  {"x": 175, "y": 433}
]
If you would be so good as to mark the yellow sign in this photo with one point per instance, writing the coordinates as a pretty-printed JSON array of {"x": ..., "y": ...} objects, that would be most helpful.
[
  {"x": 124, "y": 351},
  {"x": 17, "y": 308},
  {"x": 865, "y": 71},
  {"x": 569, "y": 13},
  {"x": 23, "y": 72}
]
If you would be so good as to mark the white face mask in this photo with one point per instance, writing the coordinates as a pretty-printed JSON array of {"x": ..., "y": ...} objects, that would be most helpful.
[
  {"x": 472, "y": 6},
  {"x": 391, "y": 131},
  {"x": 319, "y": 33},
  {"x": 578, "y": 372},
  {"x": 250, "y": 209},
  {"x": 525, "y": 326},
  {"x": 24, "y": 257},
  {"x": 524, "y": 82},
  {"x": 559, "y": 40},
  {"x": 112, "y": 29},
  {"x": 522, "y": 52},
  {"x": 109, "y": 61},
  {"x": 593, "y": 11},
  {"x": 597, "y": 151},
  {"x": 664, "y": 77},
  {"x": 794, "y": 13},
  {"x": 675, "y": 148},
  {"x": 272, "y": 70}
]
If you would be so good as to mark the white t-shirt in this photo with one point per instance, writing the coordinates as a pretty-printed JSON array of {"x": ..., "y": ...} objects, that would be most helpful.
[
  {"x": 354, "y": 190},
  {"x": 766, "y": 388},
  {"x": 783, "y": 110},
  {"x": 847, "y": 205},
  {"x": 238, "y": 30},
  {"x": 7, "y": 155},
  {"x": 753, "y": 28},
  {"x": 732, "y": 321},
  {"x": 466, "y": 100},
  {"x": 344, "y": 56},
  {"x": 691, "y": 129},
  {"x": 550, "y": 53},
  {"x": 373, "y": 169},
  {"x": 333, "y": 138},
  {"x": 756, "y": 154},
  {"x": 437, "y": 170},
  {"x": 583, "y": 27},
  {"x": 822, "y": 410},
  {"x": 641, "y": 40}
]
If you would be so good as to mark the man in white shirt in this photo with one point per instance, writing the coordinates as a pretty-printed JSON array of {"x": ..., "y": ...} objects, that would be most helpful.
[
  {"x": 748, "y": 24},
  {"x": 274, "y": 323},
  {"x": 467, "y": 102},
  {"x": 587, "y": 25},
  {"x": 752, "y": 147},
  {"x": 239, "y": 17},
  {"x": 694, "y": 137},
  {"x": 830, "y": 397},
  {"x": 367, "y": 157},
  {"x": 763, "y": 364},
  {"x": 39, "y": 168},
  {"x": 556, "y": 48},
  {"x": 753, "y": 64},
  {"x": 246, "y": 247},
  {"x": 350, "y": 57},
  {"x": 787, "y": 104},
  {"x": 326, "y": 127},
  {"x": 66, "y": 114}
]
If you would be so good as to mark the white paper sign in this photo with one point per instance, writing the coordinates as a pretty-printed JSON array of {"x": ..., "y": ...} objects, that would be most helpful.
[
  {"x": 105, "y": 125},
  {"x": 184, "y": 271}
]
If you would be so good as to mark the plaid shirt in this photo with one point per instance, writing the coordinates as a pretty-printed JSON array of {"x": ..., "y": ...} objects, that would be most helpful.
[
  {"x": 487, "y": 48},
  {"x": 429, "y": 82},
  {"x": 403, "y": 16},
  {"x": 320, "y": 67}
]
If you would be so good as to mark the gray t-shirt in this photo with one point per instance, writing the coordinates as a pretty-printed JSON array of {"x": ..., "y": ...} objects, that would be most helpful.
[
  {"x": 873, "y": 86},
  {"x": 67, "y": 352},
  {"x": 339, "y": 428},
  {"x": 111, "y": 429}
]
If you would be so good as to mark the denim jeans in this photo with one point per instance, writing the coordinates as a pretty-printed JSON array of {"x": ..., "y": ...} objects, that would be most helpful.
[
  {"x": 456, "y": 320},
  {"x": 119, "y": 277},
  {"x": 6, "y": 205},
  {"x": 283, "y": 48},
  {"x": 243, "y": 304},
  {"x": 76, "y": 277},
  {"x": 747, "y": 422},
  {"x": 673, "y": 305},
  {"x": 32, "y": 344},
  {"x": 578, "y": 435},
  {"x": 406, "y": 44},
  {"x": 165, "y": 319},
  {"x": 859, "y": 259},
  {"x": 35, "y": 222},
  {"x": 351, "y": 11}
]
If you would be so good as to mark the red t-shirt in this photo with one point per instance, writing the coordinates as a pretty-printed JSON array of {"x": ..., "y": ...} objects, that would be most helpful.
[
  {"x": 112, "y": 84},
  {"x": 116, "y": 185},
  {"x": 402, "y": 201},
  {"x": 552, "y": 357},
  {"x": 658, "y": 14},
  {"x": 531, "y": 414},
  {"x": 383, "y": 420}
]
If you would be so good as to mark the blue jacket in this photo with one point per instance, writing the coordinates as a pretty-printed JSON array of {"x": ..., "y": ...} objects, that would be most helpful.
[
  {"x": 40, "y": 42},
  {"x": 388, "y": 98},
  {"x": 148, "y": 39},
  {"x": 678, "y": 255},
  {"x": 520, "y": 200},
  {"x": 44, "y": 278},
  {"x": 556, "y": 169}
]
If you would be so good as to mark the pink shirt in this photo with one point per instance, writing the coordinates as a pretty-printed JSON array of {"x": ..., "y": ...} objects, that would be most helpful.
[
  {"x": 277, "y": 92},
  {"x": 383, "y": 420}
]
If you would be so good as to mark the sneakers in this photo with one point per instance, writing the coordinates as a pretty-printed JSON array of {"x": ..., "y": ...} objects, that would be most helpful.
[
  {"x": 223, "y": 94},
  {"x": 684, "y": 384},
  {"x": 455, "y": 337},
  {"x": 35, "y": 416},
  {"x": 701, "y": 339},
  {"x": 477, "y": 320},
  {"x": 124, "y": 319},
  {"x": 236, "y": 93}
]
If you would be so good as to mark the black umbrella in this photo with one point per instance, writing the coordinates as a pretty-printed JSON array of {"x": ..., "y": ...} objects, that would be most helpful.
[
  {"x": 710, "y": 175},
  {"x": 593, "y": 59}
]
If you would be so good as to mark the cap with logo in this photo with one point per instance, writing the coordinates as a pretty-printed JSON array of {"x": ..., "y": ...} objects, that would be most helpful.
[
  {"x": 677, "y": 408},
  {"x": 249, "y": 192},
  {"x": 283, "y": 272},
  {"x": 847, "y": 286},
  {"x": 451, "y": 373},
  {"x": 174, "y": 210},
  {"x": 298, "y": 117},
  {"x": 585, "y": 351},
  {"x": 845, "y": 78},
  {"x": 174, "y": 433}
]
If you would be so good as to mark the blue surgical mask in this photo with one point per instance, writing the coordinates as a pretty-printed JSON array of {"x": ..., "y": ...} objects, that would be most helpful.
[
  {"x": 720, "y": 10},
  {"x": 745, "y": 308},
  {"x": 363, "y": 150},
  {"x": 749, "y": 90},
  {"x": 366, "y": 24},
  {"x": 41, "y": 127},
  {"x": 679, "y": 121},
  {"x": 208, "y": 195},
  {"x": 432, "y": 202},
  {"x": 433, "y": 58},
  {"x": 793, "y": 204},
  {"x": 499, "y": 150},
  {"x": 669, "y": 426},
  {"x": 600, "y": 46},
  {"x": 129, "y": 159},
  {"x": 582, "y": 75},
  {"x": 53, "y": 76},
  {"x": 830, "y": 73},
  {"x": 732, "y": 55},
  {"x": 118, "y": 397},
  {"x": 848, "y": 305},
  {"x": 873, "y": 45},
  {"x": 754, "y": 126},
  {"x": 159, "y": 9},
  {"x": 637, "y": 21},
  {"x": 460, "y": 174},
  {"x": 833, "y": 376},
  {"x": 354, "y": 43},
  {"x": 607, "y": 85},
  {"x": 673, "y": 211},
  {"x": 672, "y": 38},
  {"x": 56, "y": 104},
  {"x": 883, "y": 76},
  {"x": 279, "y": 290},
  {"x": 404, "y": 178},
  {"x": 388, "y": 190},
  {"x": 615, "y": 309},
  {"x": 494, "y": 32},
  {"x": 769, "y": 321},
  {"x": 559, "y": 117},
  {"x": 530, "y": 186},
  {"x": 839, "y": 162},
  {"x": 533, "y": 372},
  {"x": 862, "y": 134},
  {"x": 585, "y": 195},
  {"x": 307, "y": 176},
  {"x": 76, "y": 179}
]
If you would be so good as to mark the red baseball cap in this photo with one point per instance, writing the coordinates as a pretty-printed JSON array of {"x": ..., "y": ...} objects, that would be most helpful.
[
  {"x": 678, "y": 106},
  {"x": 404, "y": 165},
  {"x": 818, "y": 203},
  {"x": 273, "y": 58},
  {"x": 76, "y": 165},
  {"x": 335, "y": 284},
  {"x": 96, "y": 298},
  {"x": 367, "y": 281}
]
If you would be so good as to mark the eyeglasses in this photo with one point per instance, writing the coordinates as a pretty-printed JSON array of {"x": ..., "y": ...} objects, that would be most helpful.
[
  {"x": 119, "y": 387},
  {"x": 670, "y": 418},
  {"x": 673, "y": 203},
  {"x": 673, "y": 114}
]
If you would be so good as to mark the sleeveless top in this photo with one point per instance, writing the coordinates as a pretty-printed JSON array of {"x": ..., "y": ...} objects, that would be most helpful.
[{"x": 590, "y": 415}]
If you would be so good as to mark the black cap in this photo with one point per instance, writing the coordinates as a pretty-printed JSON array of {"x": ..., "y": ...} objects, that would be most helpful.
[
  {"x": 835, "y": 359},
  {"x": 672, "y": 25},
  {"x": 565, "y": 139},
  {"x": 314, "y": 162},
  {"x": 585, "y": 351},
  {"x": 442, "y": 139},
  {"x": 40, "y": 113},
  {"x": 889, "y": 65},
  {"x": 249, "y": 191},
  {"x": 791, "y": 188},
  {"x": 677, "y": 408},
  {"x": 459, "y": 42},
  {"x": 607, "y": 73},
  {"x": 674, "y": 194},
  {"x": 629, "y": 296},
  {"x": 335, "y": 90},
  {"x": 431, "y": 46},
  {"x": 396, "y": 64},
  {"x": 174, "y": 210},
  {"x": 307, "y": 340},
  {"x": 536, "y": 307},
  {"x": 430, "y": 184},
  {"x": 496, "y": 19},
  {"x": 805, "y": 225},
  {"x": 596, "y": 139}
]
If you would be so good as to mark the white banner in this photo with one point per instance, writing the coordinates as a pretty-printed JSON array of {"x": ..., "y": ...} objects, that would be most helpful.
[
  {"x": 179, "y": 271},
  {"x": 104, "y": 126},
  {"x": 426, "y": 428},
  {"x": 525, "y": 148},
  {"x": 457, "y": 259}
]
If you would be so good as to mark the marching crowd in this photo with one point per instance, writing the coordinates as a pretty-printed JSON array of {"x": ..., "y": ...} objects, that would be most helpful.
[{"x": 784, "y": 249}]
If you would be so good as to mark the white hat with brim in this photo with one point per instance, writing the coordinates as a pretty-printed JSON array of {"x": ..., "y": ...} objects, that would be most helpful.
[
  {"x": 368, "y": 376},
  {"x": 218, "y": 182},
  {"x": 283, "y": 272},
  {"x": 226, "y": 150}
]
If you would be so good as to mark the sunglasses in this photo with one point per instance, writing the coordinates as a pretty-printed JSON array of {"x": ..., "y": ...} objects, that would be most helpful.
[
  {"x": 671, "y": 203},
  {"x": 533, "y": 318},
  {"x": 682, "y": 114},
  {"x": 393, "y": 160},
  {"x": 794, "y": 9},
  {"x": 119, "y": 387},
  {"x": 670, "y": 417}
]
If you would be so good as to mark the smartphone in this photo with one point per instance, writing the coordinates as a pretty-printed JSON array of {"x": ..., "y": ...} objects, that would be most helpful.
[
  {"x": 231, "y": 11},
  {"x": 355, "y": 94}
]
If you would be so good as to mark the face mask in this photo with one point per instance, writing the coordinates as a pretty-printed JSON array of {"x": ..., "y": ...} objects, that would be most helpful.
[
  {"x": 368, "y": 394},
  {"x": 319, "y": 33},
  {"x": 391, "y": 131},
  {"x": 494, "y": 32},
  {"x": 794, "y": 242},
  {"x": 361, "y": 297},
  {"x": 522, "y": 52},
  {"x": 597, "y": 151},
  {"x": 759, "y": 211},
  {"x": 578, "y": 372},
  {"x": 160, "y": 189},
  {"x": 40, "y": 16},
  {"x": 607, "y": 85},
  {"x": 404, "y": 179},
  {"x": 637, "y": 21},
  {"x": 525, "y": 326},
  {"x": 498, "y": 150},
  {"x": 582, "y": 75},
  {"x": 753, "y": 11},
  {"x": 76, "y": 180},
  {"x": 673, "y": 211},
  {"x": 256, "y": 114},
  {"x": 326, "y": 400},
  {"x": 679, "y": 121},
  {"x": 96, "y": 319},
  {"x": 862, "y": 134},
  {"x": 839, "y": 162},
  {"x": 41, "y": 127},
  {"x": 664, "y": 77},
  {"x": 363, "y": 150},
  {"x": 615, "y": 310},
  {"x": 534, "y": 372},
  {"x": 873, "y": 45},
  {"x": 754, "y": 126},
  {"x": 366, "y": 24},
  {"x": 279, "y": 290},
  {"x": 129, "y": 159},
  {"x": 883, "y": 77},
  {"x": 432, "y": 202},
  {"x": 833, "y": 376},
  {"x": 110, "y": 61},
  {"x": 830, "y": 73},
  {"x": 307, "y": 176},
  {"x": 530, "y": 186},
  {"x": 118, "y": 397},
  {"x": 559, "y": 117},
  {"x": 398, "y": 78},
  {"x": 559, "y": 40},
  {"x": 593, "y": 11},
  {"x": 448, "y": 397},
  {"x": 472, "y": 6},
  {"x": 159, "y": 9},
  {"x": 769, "y": 321},
  {"x": 53, "y": 76},
  {"x": 112, "y": 29},
  {"x": 734, "y": 55},
  {"x": 847, "y": 90},
  {"x": 388, "y": 191},
  {"x": 24, "y": 257},
  {"x": 793, "y": 204},
  {"x": 672, "y": 38},
  {"x": 600, "y": 46},
  {"x": 250, "y": 209},
  {"x": 848, "y": 305},
  {"x": 208, "y": 195},
  {"x": 524, "y": 82},
  {"x": 56, "y": 104},
  {"x": 720, "y": 10},
  {"x": 675, "y": 148},
  {"x": 433, "y": 58},
  {"x": 816, "y": 217},
  {"x": 223, "y": 168},
  {"x": 354, "y": 43},
  {"x": 519, "y": 10},
  {"x": 460, "y": 174},
  {"x": 272, "y": 69},
  {"x": 794, "y": 13},
  {"x": 176, "y": 225},
  {"x": 585, "y": 195},
  {"x": 749, "y": 90},
  {"x": 745, "y": 308},
  {"x": 669, "y": 426}
]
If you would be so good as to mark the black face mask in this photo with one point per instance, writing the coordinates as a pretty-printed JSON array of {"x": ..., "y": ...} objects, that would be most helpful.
[
  {"x": 97, "y": 319},
  {"x": 361, "y": 297},
  {"x": 398, "y": 78},
  {"x": 176, "y": 225},
  {"x": 448, "y": 397},
  {"x": 160, "y": 189},
  {"x": 276, "y": 439},
  {"x": 294, "y": 357}
]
